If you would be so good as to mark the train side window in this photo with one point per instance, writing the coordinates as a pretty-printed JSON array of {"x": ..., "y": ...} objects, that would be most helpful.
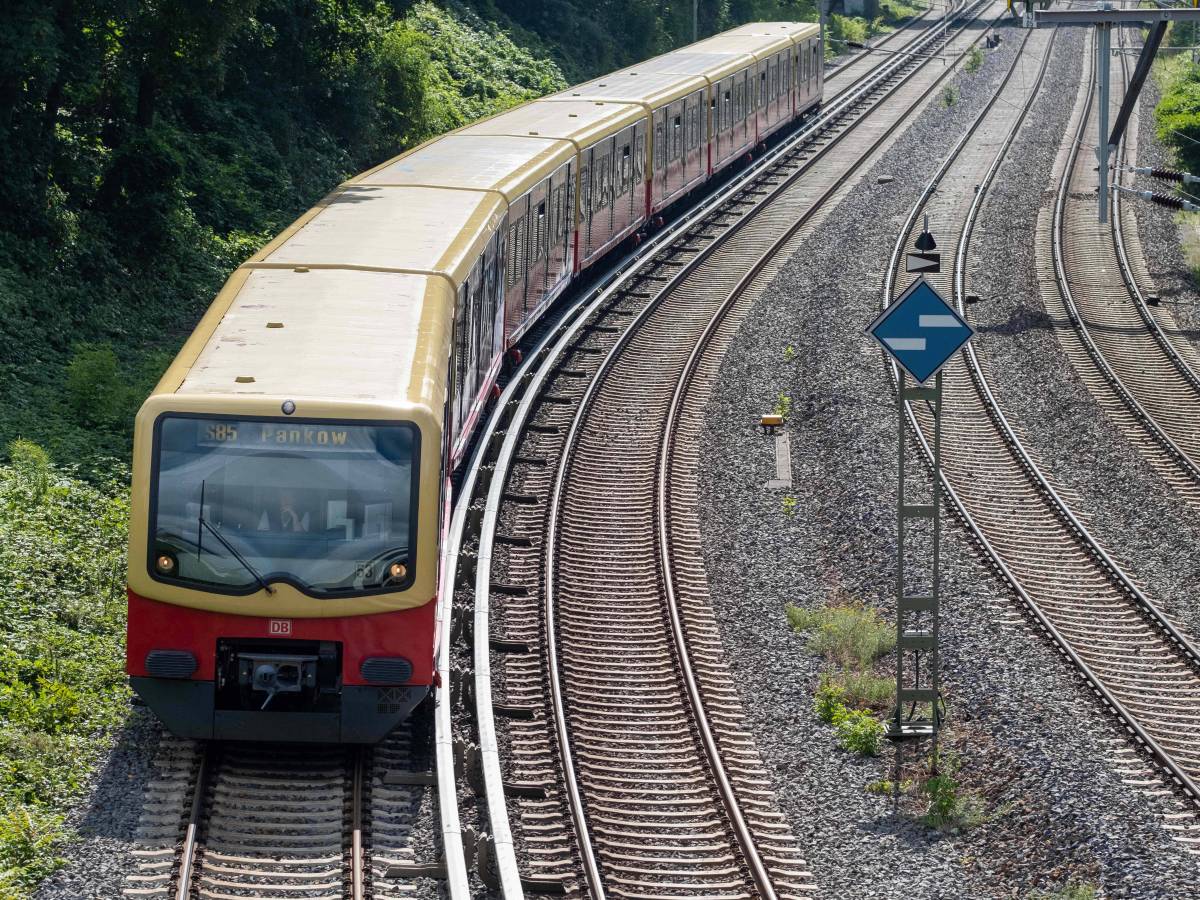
[
  {"x": 585, "y": 190},
  {"x": 626, "y": 167},
  {"x": 541, "y": 229},
  {"x": 660, "y": 151},
  {"x": 676, "y": 137}
]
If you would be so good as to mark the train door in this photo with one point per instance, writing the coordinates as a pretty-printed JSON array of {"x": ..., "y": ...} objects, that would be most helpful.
[{"x": 516, "y": 275}]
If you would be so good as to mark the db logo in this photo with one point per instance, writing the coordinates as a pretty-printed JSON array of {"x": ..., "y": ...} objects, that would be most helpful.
[{"x": 280, "y": 627}]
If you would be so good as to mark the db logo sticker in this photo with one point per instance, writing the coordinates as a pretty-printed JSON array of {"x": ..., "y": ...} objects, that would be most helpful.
[{"x": 280, "y": 627}]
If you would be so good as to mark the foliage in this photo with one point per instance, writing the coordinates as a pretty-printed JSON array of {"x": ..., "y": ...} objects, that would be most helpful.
[
  {"x": 974, "y": 61},
  {"x": 1073, "y": 890},
  {"x": 857, "y": 730},
  {"x": 789, "y": 353},
  {"x": 29, "y": 842},
  {"x": 949, "y": 95},
  {"x": 1177, "y": 117},
  {"x": 865, "y": 689},
  {"x": 830, "y": 697},
  {"x": 848, "y": 633},
  {"x": 951, "y": 808},
  {"x": 783, "y": 405},
  {"x": 887, "y": 786},
  {"x": 62, "y": 613},
  {"x": 151, "y": 147},
  {"x": 844, "y": 30},
  {"x": 789, "y": 505}
]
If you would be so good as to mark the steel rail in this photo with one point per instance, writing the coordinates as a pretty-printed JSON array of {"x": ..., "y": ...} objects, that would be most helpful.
[
  {"x": 527, "y": 384},
  {"x": 357, "y": 855},
  {"x": 729, "y": 799},
  {"x": 1127, "y": 274},
  {"x": 191, "y": 835},
  {"x": 1181, "y": 778},
  {"x": 1131, "y": 403}
]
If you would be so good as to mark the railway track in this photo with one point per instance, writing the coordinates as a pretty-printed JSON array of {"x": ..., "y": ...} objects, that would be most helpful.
[
  {"x": 283, "y": 821},
  {"x": 1136, "y": 662},
  {"x": 559, "y": 575},
  {"x": 1119, "y": 348}
]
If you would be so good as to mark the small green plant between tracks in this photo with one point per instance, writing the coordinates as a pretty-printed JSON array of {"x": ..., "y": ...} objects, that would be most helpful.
[
  {"x": 852, "y": 636},
  {"x": 974, "y": 61}
]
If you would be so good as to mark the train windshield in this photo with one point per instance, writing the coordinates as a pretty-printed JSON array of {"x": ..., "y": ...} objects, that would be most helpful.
[{"x": 242, "y": 503}]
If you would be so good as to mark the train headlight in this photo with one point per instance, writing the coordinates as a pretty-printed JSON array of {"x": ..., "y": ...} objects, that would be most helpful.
[
  {"x": 397, "y": 571},
  {"x": 165, "y": 564}
]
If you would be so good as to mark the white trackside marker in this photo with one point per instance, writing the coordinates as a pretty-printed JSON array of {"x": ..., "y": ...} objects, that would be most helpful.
[
  {"x": 905, "y": 343},
  {"x": 938, "y": 322}
]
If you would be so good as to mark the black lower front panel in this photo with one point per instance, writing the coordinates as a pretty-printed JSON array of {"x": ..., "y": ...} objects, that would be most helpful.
[{"x": 361, "y": 715}]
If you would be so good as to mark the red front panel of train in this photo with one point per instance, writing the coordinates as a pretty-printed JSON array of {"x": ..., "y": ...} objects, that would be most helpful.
[{"x": 164, "y": 626}]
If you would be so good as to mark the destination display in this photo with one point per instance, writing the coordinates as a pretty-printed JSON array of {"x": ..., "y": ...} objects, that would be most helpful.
[{"x": 245, "y": 435}]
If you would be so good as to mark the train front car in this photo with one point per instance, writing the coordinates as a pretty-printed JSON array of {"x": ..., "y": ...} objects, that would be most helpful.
[{"x": 288, "y": 474}]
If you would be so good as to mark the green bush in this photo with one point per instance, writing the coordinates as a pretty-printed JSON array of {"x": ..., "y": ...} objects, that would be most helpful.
[
  {"x": 1177, "y": 117},
  {"x": 62, "y": 620},
  {"x": 29, "y": 841},
  {"x": 974, "y": 61},
  {"x": 949, "y": 95},
  {"x": 95, "y": 391},
  {"x": 849, "y": 633},
  {"x": 828, "y": 699},
  {"x": 865, "y": 689},
  {"x": 858, "y": 731},
  {"x": 950, "y": 809}
]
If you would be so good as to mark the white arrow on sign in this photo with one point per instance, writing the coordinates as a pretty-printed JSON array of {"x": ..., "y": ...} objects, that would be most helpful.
[{"x": 923, "y": 262}]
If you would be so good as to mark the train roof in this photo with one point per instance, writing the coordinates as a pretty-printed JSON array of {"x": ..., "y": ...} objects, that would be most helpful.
[
  {"x": 332, "y": 334},
  {"x": 633, "y": 86},
  {"x": 797, "y": 31},
  {"x": 398, "y": 229},
  {"x": 351, "y": 304},
  {"x": 712, "y": 66},
  {"x": 506, "y": 164},
  {"x": 582, "y": 122},
  {"x": 760, "y": 46}
]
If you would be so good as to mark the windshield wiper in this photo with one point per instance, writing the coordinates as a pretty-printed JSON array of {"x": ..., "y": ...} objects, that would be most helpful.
[
  {"x": 204, "y": 523},
  {"x": 228, "y": 546},
  {"x": 238, "y": 556}
]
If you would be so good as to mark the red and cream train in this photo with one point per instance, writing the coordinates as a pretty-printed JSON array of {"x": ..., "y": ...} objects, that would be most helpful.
[{"x": 291, "y": 468}]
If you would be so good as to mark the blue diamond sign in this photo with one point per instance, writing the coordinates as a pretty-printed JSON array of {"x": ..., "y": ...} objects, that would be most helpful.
[{"x": 920, "y": 330}]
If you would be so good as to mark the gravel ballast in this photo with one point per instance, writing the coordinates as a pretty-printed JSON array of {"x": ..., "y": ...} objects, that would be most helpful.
[
  {"x": 99, "y": 861},
  {"x": 1032, "y": 739}
]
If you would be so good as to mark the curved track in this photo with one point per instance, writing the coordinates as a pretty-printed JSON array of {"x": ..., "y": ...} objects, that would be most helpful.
[
  {"x": 1141, "y": 667},
  {"x": 619, "y": 789},
  {"x": 1122, "y": 354}
]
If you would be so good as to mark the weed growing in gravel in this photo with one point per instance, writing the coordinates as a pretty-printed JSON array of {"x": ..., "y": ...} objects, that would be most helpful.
[
  {"x": 1074, "y": 890},
  {"x": 62, "y": 625},
  {"x": 789, "y": 353},
  {"x": 789, "y": 505},
  {"x": 974, "y": 61},
  {"x": 829, "y": 698},
  {"x": 949, "y": 95},
  {"x": 858, "y": 730},
  {"x": 850, "y": 634},
  {"x": 887, "y": 786},
  {"x": 865, "y": 689},
  {"x": 783, "y": 405},
  {"x": 951, "y": 809}
]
